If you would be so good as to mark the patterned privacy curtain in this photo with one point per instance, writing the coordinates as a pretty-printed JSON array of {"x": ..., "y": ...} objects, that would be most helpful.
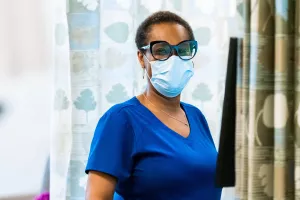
[
  {"x": 96, "y": 67},
  {"x": 268, "y": 142}
]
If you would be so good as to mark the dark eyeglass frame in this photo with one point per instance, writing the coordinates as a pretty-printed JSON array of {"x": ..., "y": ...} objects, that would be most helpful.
[{"x": 172, "y": 47}]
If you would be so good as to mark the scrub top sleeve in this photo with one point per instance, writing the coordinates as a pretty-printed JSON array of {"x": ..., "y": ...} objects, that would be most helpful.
[{"x": 112, "y": 146}]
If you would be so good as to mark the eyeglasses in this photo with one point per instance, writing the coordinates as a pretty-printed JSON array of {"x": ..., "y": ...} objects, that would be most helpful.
[{"x": 162, "y": 50}]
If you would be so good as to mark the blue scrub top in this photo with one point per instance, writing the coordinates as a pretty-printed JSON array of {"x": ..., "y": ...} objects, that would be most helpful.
[{"x": 149, "y": 160}]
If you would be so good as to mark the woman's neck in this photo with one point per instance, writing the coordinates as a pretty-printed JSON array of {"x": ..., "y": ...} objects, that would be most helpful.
[{"x": 162, "y": 102}]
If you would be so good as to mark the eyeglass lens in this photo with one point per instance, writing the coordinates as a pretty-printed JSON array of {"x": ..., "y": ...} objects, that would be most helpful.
[{"x": 163, "y": 50}]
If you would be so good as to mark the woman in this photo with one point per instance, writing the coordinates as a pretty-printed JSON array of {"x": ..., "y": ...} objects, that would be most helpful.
[{"x": 153, "y": 146}]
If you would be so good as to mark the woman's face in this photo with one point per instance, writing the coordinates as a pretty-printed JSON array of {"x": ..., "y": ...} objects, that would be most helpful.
[{"x": 169, "y": 32}]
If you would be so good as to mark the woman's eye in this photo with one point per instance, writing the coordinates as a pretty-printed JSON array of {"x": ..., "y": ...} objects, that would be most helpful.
[
  {"x": 184, "y": 51},
  {"x": 161, "y": 51}
]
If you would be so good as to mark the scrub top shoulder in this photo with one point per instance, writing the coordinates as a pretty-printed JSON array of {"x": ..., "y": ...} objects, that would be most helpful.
[{"x": 149, "y": 160}]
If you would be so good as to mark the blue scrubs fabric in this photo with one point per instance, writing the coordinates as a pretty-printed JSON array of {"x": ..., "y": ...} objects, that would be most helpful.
[{"x": 149, "y": 160}]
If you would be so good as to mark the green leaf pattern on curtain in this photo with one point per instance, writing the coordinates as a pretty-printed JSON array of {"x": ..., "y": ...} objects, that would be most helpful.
[
  {"x": 202, "y": 93},
  {"x": 118, "y": 32},
  {"x": 61, "y": 101},
  {"x": 117, "y": 94},
  {"x": 203, "y": 35},
  {"x": 85, "y": 102}
]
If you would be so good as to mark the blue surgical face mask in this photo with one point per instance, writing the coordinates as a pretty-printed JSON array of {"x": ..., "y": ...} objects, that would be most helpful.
[{"x": 169, "y": 77}]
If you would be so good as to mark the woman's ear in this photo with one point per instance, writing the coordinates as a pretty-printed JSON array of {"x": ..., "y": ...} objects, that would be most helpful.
[{"x": 140, "y": 56}]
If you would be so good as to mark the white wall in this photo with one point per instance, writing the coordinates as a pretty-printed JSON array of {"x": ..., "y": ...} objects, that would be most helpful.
[
  {"x": 24, "y": 133},
  {"x": 25, "y": 88}
]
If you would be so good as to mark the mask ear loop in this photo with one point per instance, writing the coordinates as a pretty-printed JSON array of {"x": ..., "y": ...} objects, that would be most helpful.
[
  {"x": 193, "y": 64},
  {"x": 145, "y": 72},
  {"x": 144, "y": 68}
]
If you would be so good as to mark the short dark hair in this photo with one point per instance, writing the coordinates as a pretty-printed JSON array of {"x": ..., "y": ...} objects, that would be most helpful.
[{"x": 159, "y": 17}]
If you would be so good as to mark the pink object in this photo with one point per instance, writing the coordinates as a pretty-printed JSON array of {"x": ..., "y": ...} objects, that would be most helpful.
[{"x": 43, "y": 196}]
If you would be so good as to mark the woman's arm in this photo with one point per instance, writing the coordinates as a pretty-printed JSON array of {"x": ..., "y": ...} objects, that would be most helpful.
[
  {"x": 111, "y": 155},
  {"x": 100, "y": 186}
]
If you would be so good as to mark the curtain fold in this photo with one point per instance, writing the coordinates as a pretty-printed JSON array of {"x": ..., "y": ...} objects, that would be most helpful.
[
  {"x": 242, "y": 188},
  {"x": 284, "y": 66},
  {"x": 85, "y": 72},
  {"x": 61, "y": 133},
  {"x": 239, "y": 119},
  {"x": 296, "y": 114},
  {"x": 269, "y": 139}
]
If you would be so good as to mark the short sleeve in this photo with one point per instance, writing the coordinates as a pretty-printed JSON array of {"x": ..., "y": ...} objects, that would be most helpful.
[{"x": 112, "y": 146}]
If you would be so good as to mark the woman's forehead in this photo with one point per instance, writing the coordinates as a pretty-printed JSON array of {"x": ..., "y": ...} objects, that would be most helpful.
[{"x": 169, "y": 32}]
